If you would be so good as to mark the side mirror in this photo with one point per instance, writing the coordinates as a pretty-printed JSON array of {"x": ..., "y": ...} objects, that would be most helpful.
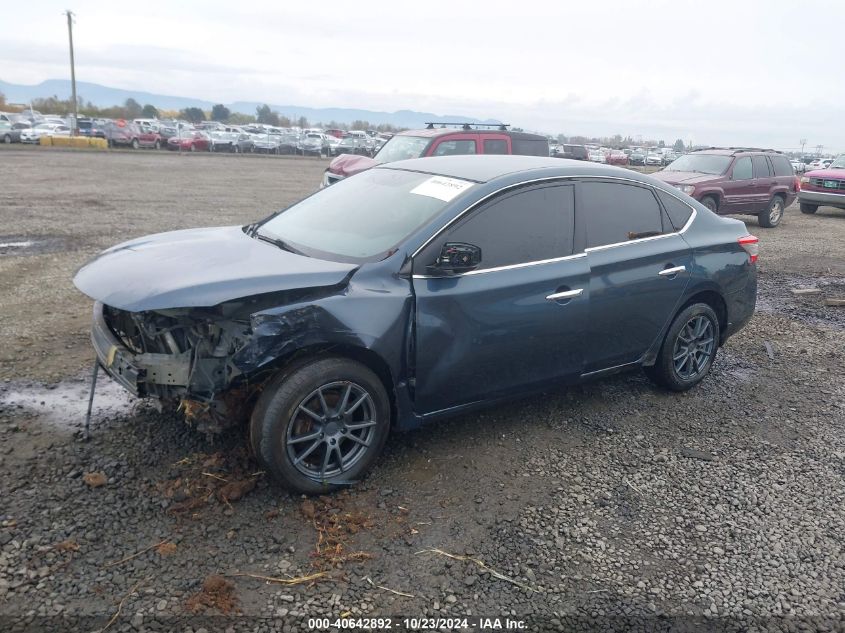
[{"x": 458, "y": 257}]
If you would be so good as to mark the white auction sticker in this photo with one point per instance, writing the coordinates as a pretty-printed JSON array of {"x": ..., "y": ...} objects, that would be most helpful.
[{"x": 441, "y": 187}]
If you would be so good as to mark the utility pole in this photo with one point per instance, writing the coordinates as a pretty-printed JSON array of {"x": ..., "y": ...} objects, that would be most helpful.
[
  {"x": 75, "y": 126},
  {"x": 803, "y": 143}
]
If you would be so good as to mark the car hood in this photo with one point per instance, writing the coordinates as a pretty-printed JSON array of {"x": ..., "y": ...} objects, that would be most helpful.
[
  {"x": 351, "y": 164},
  {"x": 833, "y": 174},
  {"x": 199, "y": 268},
  {"x": 686, "y": 177}
]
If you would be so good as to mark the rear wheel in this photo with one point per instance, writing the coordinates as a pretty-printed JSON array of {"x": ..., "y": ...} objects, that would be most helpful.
[
  {"x": 710, "y": 202},
  {"x": 689, "y": 349},
  {"x": 321, "y": 426},
  {"x": 135, "y": 143},
  {"x": 157, "y": 145},
  {"x": 809, "y": 208},
  {"x": 193, "y": 147},
  {"x": 772, "y": 216},
  {"x": 7, "y": 139}
]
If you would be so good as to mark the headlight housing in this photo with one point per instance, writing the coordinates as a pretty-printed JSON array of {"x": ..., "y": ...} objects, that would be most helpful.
[
  {"x": 687, "y": 189},
  {"x": 804, "y": 180}
]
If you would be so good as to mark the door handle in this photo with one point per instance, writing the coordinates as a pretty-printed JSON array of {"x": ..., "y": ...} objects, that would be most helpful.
[
  {"x": 671, "y": 272},
  {"x": 566, "y": 294}
]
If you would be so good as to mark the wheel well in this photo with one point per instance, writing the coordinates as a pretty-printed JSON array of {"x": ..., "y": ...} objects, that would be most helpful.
[
  {"x": 366, "y": 357},
  {"x": 715, "y": 301}
]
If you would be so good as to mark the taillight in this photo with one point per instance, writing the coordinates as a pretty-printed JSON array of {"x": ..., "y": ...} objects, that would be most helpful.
[
  {"x": 751, "y": 246},
  {"x": 797, "y": 184}
]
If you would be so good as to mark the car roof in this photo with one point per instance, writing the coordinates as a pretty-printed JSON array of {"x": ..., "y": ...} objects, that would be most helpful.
[
  {"x": 488, "y": 167},
  {"x": 442, "y": 131}
]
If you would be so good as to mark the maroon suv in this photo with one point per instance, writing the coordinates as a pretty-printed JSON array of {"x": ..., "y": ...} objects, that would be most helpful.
[
  {"x": 736, "y": 180},
  {"x": 440, "y": 141}
]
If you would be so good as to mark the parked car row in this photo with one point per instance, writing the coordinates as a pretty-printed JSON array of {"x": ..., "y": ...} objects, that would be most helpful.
[{"x": 656, "y": 156}]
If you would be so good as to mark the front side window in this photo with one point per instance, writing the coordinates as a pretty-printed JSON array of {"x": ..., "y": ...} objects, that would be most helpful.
[
  {"x": 742, "y": 169},
  {"x": 363, "y": 217},
  {"x": 615, "y": 213},
  {"x": 454, "y": 148},
  {"x": 520, "y": 227}
]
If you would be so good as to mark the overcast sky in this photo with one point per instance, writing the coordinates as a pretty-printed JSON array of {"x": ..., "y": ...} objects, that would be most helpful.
[{"x": 710, "y": 71}]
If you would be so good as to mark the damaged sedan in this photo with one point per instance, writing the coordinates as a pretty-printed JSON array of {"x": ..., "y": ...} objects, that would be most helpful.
[{"x": 413, "y": 291}]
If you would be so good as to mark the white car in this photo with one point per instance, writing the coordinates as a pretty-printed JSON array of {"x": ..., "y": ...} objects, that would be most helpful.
[
  {"x": 654, "y": 159},
  {"x": 819, "y": 163},
  {"x": 597, "y": 156},
  {"x": 34, "y": 134},
  {"x": 797, "y": 166}
]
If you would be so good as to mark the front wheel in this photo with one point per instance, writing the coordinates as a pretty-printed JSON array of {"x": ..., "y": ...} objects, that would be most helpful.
[
  {"x": 710, "y": 203},
  {"x": 689, "y": 349},
  {"x": 7, "y": 139},
  {"x": 771, "y": 216},
  {"x": 809, "y": 209},
  {"x": 321, "y": 426},
  {"x": 135, "y": 143},
  {"x": 157, "y": 145}
]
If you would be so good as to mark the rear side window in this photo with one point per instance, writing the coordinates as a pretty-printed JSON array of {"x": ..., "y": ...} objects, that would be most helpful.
[
  {"x": 678, "y": 212},
  {"x": 454, "y": 148},
  {"x": 742, "y": 169},
  {"x": 782, "y": 166},
  {"x": 614, "y": 213},
  {"x": 525, "y": 226},
  {"x": 530, "y": 147},
  {"x": 495, "y": 146},
  {"x": 761, "y": 167}
]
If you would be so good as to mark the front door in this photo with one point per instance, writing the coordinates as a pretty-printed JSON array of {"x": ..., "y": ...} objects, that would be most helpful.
[
  {"x": 741, "y": 190},
  {"x": 514, "y": 322},
  {"x": 639, "y": 269}
]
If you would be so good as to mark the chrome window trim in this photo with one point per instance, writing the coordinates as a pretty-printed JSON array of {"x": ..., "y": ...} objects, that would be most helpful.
[
  {"x": 563, "y": 180},
  {"x": 501, "y": 268}
]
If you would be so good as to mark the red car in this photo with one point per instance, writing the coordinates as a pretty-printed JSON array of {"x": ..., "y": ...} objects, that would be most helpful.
[
  {"x": 466, "y": 138},
  {"x": 190, "y": 141},
  {"x": 823, "y": 187},
  {"x": 616, "y": 157}
]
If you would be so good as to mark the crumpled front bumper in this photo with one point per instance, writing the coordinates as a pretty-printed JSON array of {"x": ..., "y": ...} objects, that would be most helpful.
[{"x": 141, "y": 374}]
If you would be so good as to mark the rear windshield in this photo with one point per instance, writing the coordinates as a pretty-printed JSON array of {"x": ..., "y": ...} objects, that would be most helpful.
[
  {"x": 714, "y": 164},
  {"x": 362, "y": 218}
]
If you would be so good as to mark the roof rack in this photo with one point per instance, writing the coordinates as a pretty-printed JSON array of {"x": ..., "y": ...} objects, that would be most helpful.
[
  {"x": 745, "y": 149},
  {"x": 429, "y": 125}
]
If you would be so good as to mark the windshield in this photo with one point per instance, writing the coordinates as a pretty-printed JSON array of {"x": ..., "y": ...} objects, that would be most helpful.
[
  {"x": 363, "y": 217},
  {"x": 402, "y": 148},
  {"x": 714, "y": 164},
  {"x": 839, "y": 163}
]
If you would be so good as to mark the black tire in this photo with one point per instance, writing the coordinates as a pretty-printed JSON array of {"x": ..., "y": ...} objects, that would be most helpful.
[
  {"x": 7, "y": 139},
  {"x": 278, "y": 418},
  {"x": 773, "y": 214},
  {"x": 135, "y": 143},
  {"x": 665, "y": 372},
  {"x": 809, "y": 209},
  {"x": 711, "y": 203},
  {"x": 236, "y": 148},
  {"x": 157, "y": 145}
]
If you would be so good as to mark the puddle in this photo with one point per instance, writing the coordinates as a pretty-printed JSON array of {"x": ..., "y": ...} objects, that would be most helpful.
[
  {"x": 65, "y": 404},
  {"x": 17, "y": 245}
]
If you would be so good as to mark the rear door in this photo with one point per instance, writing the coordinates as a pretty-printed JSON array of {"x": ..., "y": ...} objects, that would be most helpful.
[
  {"x": 741, "y": 195},
  {"x": 515, "y": 322},
  {"x": 764, "y": 182},
  {"x": 639, "y": 268}
]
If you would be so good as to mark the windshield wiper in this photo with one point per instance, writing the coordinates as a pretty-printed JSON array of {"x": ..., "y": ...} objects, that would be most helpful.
[{"x": 275, "y": 241}]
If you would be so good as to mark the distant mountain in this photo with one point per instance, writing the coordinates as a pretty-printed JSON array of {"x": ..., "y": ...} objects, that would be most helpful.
[{"x": 104, "y": 96}]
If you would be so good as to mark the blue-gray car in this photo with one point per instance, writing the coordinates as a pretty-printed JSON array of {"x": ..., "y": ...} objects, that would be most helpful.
[{"x": 416, "y": 290}]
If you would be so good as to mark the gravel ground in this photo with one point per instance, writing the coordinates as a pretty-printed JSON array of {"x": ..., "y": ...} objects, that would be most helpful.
[{"x": 610, "y": 506}]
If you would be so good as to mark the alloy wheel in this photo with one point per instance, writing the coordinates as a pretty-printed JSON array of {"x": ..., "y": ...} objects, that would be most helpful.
[
  {"x": 694, "y": 347},
  {"x": 331, "y": 430},
  {"x": 776, "y": 211}
]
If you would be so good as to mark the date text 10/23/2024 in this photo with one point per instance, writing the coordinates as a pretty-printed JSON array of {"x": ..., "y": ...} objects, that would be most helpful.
[{"x": 477, "y": 623}]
